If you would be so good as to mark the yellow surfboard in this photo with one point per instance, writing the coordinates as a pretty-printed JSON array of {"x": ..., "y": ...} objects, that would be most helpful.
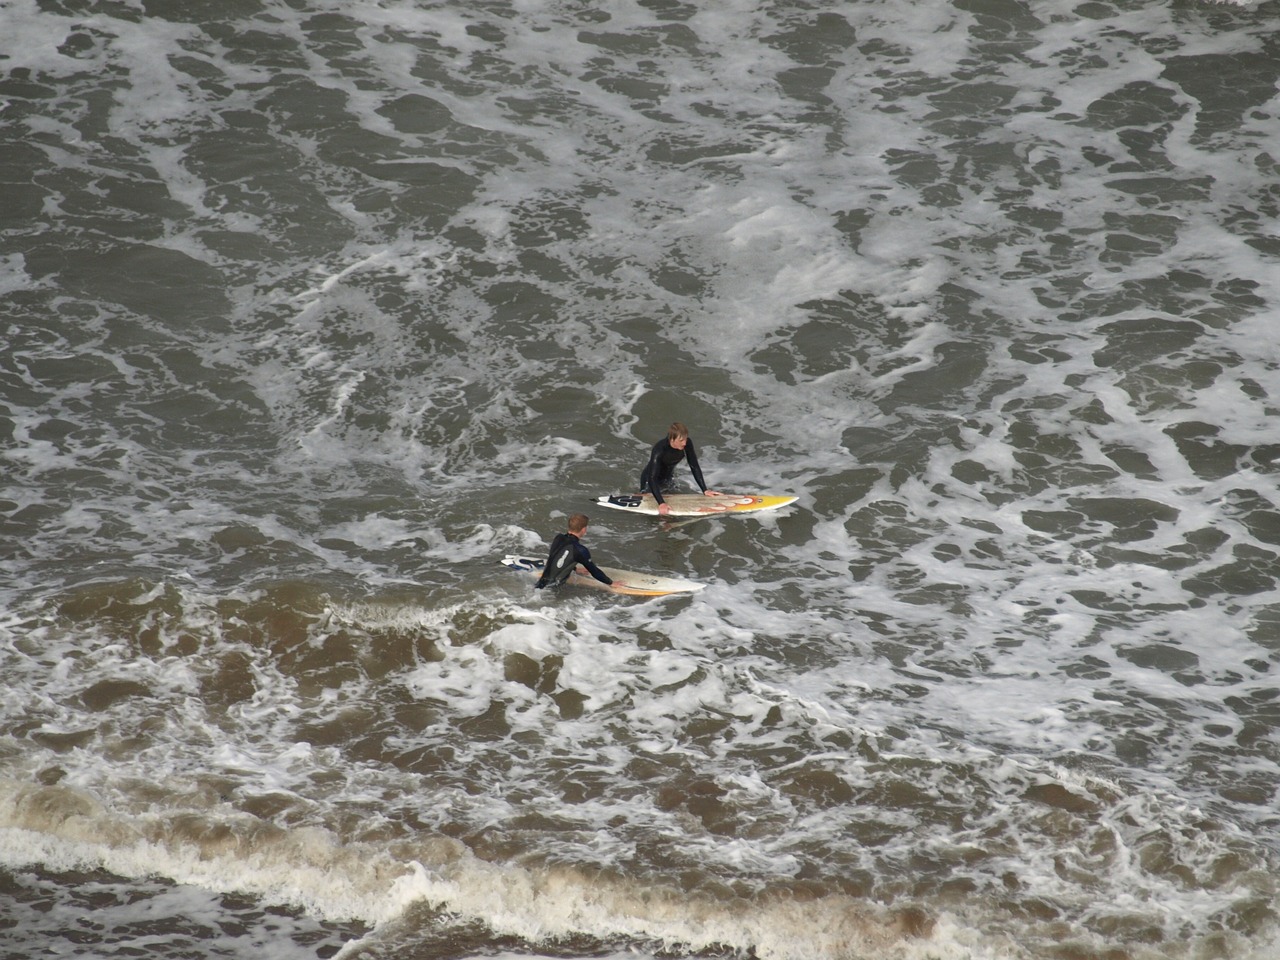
[
  {"x": 625, "y": 582},
  {"x": 696, "y": 504}
]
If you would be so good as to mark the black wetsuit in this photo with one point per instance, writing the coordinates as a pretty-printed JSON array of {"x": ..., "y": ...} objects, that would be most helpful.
[
  {"x": 659, "y": 472},
  {"x": 565, "y": 554}
]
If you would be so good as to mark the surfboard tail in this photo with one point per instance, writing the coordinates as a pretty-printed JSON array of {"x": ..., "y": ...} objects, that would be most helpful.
[{"x": 521, "y": 563}]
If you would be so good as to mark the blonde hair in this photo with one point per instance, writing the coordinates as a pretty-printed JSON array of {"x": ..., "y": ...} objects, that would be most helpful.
[
  {"x": 578, "y": 522},
  {"x": 677, "y": 431}
]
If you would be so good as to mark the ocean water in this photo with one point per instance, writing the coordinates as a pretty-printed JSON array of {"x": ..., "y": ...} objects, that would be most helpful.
[{"x": 313, "y": 310}]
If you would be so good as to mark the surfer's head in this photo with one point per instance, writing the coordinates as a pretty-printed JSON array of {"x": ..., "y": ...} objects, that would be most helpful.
[
  {"x": 677, "y": 435},
  {"x": 578, "y": 523}
]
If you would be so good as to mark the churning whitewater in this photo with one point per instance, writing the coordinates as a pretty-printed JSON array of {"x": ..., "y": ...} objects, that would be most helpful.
[{"x": 314, "y": 311}]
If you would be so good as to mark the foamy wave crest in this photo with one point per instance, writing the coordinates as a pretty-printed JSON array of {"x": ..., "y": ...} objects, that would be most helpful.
[{"x": 62, "y": 828}]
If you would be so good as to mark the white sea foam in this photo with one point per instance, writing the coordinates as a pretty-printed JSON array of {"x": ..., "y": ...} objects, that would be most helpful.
[{"x": 308, "y": 868}]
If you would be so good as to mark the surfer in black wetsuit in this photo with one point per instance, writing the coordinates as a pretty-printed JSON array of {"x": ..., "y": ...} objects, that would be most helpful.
[
  {"x": 659, "y": 473},
  {"x": 565, "y": 555}
]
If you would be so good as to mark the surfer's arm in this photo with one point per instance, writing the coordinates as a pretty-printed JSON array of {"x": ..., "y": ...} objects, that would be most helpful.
[
  {"x": 691, "y": 455},
  {"x": 584, "y": 558},
  {"x": 654, "y": 473}
]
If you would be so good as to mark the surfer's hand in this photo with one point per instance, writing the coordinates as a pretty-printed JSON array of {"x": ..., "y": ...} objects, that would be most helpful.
[
  {"x": 664, "y": 509},
  {"x": 710, "y": 493}
]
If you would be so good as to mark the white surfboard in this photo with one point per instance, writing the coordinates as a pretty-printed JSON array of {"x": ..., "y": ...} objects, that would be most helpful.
[
  {"x": 696, "y": 504},
  {"x": 625, "y": 582}
]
